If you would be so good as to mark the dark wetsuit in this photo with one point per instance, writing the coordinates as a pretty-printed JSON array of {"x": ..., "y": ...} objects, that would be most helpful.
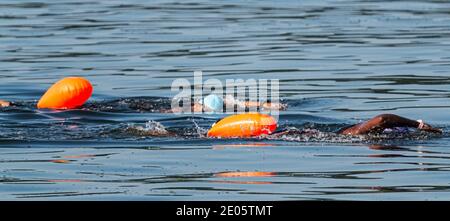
[{"x": 141, "y": 104}]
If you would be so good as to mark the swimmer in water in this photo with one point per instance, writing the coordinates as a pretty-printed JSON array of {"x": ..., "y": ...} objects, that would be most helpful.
[
  {"x": 387, "y": 123},
  {"x": 4, "y": 103},
  {"x": 210, "y": 103},
  {"x": 383, "y": 123},
  {"x": 215, "y": 103}
]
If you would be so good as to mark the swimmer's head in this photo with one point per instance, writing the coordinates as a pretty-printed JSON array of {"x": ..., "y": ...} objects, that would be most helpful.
[{"x": 213, "y": 102}]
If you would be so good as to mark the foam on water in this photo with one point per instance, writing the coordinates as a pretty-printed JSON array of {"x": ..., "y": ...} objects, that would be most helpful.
[{"x": 151, "y": 128}]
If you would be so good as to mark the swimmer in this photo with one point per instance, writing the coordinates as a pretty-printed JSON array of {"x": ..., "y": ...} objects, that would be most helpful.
[
  {"x": 215, "y": 103},
  {"x": 4, "y": 103}
]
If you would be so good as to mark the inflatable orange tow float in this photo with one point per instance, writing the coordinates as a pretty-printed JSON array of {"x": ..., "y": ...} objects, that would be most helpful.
[
  {"x": 243, "y": 125},
  {"x": 68, "y": 93}
]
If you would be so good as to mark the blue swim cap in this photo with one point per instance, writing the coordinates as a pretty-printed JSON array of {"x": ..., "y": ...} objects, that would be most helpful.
[{"x": 213, "y": 102}]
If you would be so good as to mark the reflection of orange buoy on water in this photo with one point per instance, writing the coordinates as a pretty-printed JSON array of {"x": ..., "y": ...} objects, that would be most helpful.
[
  {"x": 243, "y": 125},
  {"x": 245, "y": 174},
  {"x": 68, "y": 93},
  {"x": 60, "y": 161}
]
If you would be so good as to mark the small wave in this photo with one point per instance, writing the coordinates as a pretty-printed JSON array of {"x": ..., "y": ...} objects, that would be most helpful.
[
  {"x": 151, "y": 128},
  {"x": 313, "y": 135},
  {"x": 200, "y": 131},
  {"x": 316, "y": 136}
]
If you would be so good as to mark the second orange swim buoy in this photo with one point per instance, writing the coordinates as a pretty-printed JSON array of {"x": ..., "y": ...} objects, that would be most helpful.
[
  {"x": 243, "y": 125},
  {"x": 68, "y": 93}
]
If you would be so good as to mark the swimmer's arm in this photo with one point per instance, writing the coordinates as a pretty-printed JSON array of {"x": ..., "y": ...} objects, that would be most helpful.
[
  {"x": 229, "y": 102},
  {"x": 265, "y": 105},
  {"x": 384, "y": 121},
  {"x": 249, "y": 104},
  {"x": 274, "y": 106},
  {"x": 196, "y": 108},
  {"x": 4, "y": 103}
]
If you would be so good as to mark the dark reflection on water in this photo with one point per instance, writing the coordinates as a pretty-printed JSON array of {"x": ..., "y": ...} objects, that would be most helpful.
[{"x": 338, "y": 62}]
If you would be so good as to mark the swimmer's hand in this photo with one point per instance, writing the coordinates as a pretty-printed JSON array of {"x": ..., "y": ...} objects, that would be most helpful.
[
  {"x": 429, "y": 128},
  {"x": 274, "y": 106},
  {"x": 4, "y": 103}
]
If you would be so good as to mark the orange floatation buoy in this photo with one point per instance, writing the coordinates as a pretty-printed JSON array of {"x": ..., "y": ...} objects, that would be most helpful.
[
  {"x": 68, "y": 93},
  {"x": 243, "y": 125}
]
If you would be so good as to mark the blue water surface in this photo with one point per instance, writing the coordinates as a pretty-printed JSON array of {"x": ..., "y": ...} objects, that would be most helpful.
[{"x": 338, "y": 62}]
